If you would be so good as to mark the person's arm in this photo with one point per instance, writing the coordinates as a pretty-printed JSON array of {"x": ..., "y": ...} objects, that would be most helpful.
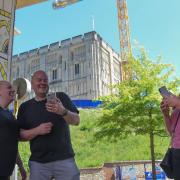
[
  {"x": 166, "y": 116},
  {"x": 42, "y": 129},
  {"x": 21, "y": 167},
  {"x": 70, "y": 117}
]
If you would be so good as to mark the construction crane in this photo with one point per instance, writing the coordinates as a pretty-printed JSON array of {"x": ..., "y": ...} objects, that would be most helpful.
[
  {"x": 125, "y": 44},
  {"x": 123, "y": 26}
]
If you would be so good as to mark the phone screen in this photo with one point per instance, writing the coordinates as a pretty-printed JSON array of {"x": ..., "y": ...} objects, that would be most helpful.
[{"x": 51, "y": 96}]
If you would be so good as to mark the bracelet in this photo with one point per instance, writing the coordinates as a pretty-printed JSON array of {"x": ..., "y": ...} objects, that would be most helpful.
[{"x": 65, "y": 112}]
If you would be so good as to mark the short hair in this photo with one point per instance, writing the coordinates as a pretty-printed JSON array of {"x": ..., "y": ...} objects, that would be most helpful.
[
  {"x": 2, "y": 82},
  {"x": 36, "y": 72}
]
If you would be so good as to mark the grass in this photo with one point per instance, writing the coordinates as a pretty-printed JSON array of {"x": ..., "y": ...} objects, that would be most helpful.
[{"x": 94, "y": 154}]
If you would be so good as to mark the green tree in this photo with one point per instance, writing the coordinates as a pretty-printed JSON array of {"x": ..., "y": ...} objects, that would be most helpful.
[{"x": 133, "y": 107}]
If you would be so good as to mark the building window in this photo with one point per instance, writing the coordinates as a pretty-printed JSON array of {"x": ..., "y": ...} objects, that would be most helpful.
[
  {"x": 28, "y": 68},
  {"x": 35, "y": 65},
  {"x": 80, "y": 53},
  {"x": 54, "y": 74},
  {"x": 60, "y": 59},
  {"x": 17, "y": 72},
  {"x": 76, "y": 69},
  {"x": 65, "y": 65},
  {"x": 72, "y": 56}
]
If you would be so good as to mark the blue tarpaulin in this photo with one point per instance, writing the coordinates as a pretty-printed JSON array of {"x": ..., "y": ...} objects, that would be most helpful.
[{"x": 85, "y": 103}]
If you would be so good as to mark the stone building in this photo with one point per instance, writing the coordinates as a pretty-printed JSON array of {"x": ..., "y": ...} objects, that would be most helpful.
[{"x": 83, "y": 66}]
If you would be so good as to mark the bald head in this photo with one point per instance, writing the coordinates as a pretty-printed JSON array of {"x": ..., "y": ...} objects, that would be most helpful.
[
  {"x": 39, "y": 84},
  {"x": 39, "y": 72}
]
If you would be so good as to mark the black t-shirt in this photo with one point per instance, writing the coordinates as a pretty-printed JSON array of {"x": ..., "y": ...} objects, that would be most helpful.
[
  {"x": 53, "y": 146},
  {"x": 9, "y": 135}
]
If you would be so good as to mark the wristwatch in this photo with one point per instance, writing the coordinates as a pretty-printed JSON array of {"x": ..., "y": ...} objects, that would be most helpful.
[{"x": 65, "y": 112}]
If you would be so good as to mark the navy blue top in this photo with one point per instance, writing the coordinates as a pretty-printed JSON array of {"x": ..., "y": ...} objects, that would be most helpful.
[{"x": 9, "y": 135}]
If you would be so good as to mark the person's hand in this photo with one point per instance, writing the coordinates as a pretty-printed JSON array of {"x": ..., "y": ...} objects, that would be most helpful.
[
  {"x": 23, "y": 173},
  {"x": 55, "y": 106},
  {"x": 171, "y": 101},
  {"x": 164, "y": 108},
  {"x": 44, "y": 128}
]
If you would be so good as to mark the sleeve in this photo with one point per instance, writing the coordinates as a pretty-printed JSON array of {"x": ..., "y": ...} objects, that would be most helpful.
[
  {"x": 67, "y": 102},
  {"x": 21, "y": 117},
  {"x": 173, "y": 119}
]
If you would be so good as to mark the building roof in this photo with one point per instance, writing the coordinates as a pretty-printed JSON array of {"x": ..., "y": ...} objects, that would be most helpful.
[{"x": 23, "y": 3}]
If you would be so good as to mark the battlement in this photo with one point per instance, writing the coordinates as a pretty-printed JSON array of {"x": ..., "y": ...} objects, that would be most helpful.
[{"x": 60, "y": 44}]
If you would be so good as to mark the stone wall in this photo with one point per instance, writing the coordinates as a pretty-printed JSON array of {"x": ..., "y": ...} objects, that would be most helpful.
[
  {"x": 108, "y": 171},
  {"x": 92, "y": 174}
]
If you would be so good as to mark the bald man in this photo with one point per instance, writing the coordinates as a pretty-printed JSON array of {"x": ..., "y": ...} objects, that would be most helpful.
[{"x": 46, "y": 125}]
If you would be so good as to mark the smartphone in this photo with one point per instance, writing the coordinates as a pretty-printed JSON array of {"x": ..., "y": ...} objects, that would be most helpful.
[
  {"x": 164, "y": 92},
  {"x": 51, "y": 96}
]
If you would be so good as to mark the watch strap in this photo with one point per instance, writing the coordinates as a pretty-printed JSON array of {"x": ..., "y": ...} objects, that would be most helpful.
[{"x": 65, "y": 112}]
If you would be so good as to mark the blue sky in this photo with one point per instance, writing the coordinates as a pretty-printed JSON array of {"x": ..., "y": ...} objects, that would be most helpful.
[{"x": 154, "y": 24}]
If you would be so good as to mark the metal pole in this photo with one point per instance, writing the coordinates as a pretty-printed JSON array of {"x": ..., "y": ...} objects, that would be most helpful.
[{"x": 15, "y": 173}]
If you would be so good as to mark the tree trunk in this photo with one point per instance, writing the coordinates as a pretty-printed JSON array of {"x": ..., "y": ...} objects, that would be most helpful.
[{"x": 152, "y": 155}]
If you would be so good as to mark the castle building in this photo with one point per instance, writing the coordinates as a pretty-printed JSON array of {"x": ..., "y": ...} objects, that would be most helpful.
[{"x": 83, "y": 66}]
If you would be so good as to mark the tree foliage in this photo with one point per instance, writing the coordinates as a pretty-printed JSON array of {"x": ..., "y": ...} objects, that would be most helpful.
[{"x": 133, "y": 106}]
